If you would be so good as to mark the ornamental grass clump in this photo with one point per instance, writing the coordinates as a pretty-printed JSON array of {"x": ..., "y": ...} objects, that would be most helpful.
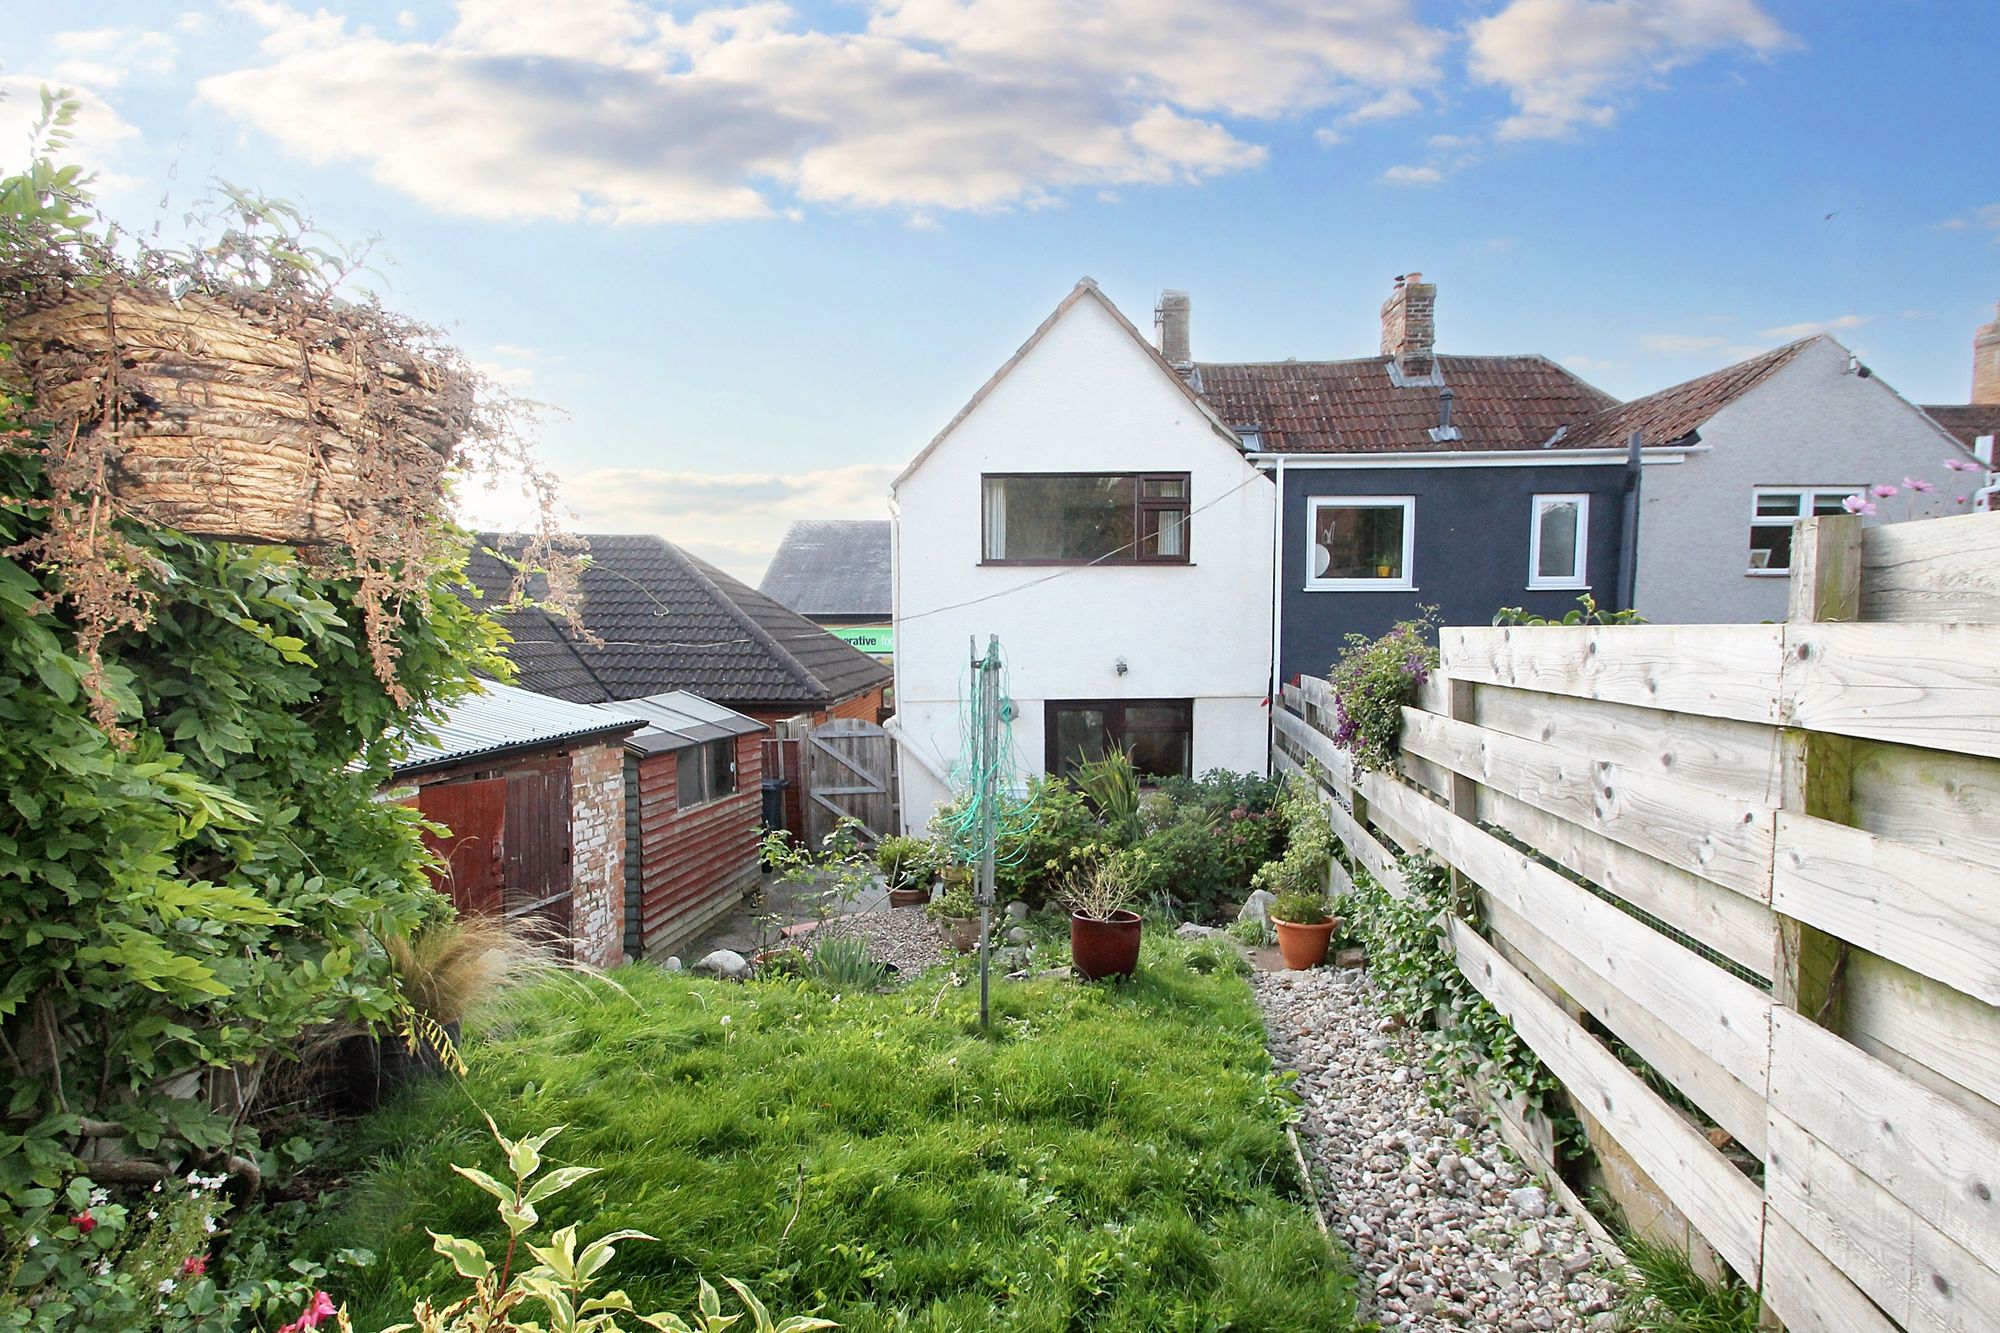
[{"x": 1373, "y": 682}]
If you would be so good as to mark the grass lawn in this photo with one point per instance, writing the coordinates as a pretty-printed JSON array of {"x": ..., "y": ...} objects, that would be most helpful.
[{"x": 1109, "y": 1158}]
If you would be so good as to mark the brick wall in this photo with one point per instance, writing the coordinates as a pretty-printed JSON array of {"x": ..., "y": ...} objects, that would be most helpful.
[{"x": 597, "y": 857}]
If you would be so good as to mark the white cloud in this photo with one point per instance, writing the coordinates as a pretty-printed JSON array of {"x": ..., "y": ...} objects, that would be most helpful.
[
  {"x": 733, "y": 519},
  {"x": 1680, "y": 344},
  {"x": 1584, "y": 365},
  {"x": 611, "y": 110},
  {"x": 102, "y": 57},
  {"x": 1406, "y": 175},
  {"x": 1984, "y": 218},
  {"x": 1328, "y": 137},
  {"x": 1565, "y": 63},
  {"x": 1807, "y": 328},
  {"x": 1389, "y": 106}
]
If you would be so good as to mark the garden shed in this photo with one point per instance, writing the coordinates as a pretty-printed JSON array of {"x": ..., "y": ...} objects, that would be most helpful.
[
  {"x": 532, "y": 791},
  {"x": 692, "y": 808}
]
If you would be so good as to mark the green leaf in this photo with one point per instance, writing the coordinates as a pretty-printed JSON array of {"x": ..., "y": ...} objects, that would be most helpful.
[
  {"x": 466, "y": 1256},
  {"x": 485, "y": 1182},
  {"x": 555, "y": 1182}
]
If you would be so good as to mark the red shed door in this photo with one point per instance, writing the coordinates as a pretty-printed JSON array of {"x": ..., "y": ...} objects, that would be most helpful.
[
  {"x": 475, "y": 812},
  {"x": 536, "y": 855}
]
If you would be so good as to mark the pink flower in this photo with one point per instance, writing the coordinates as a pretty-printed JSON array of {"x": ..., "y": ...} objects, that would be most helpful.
[
  {"x": 319, "y": 1309},
  {"x": 1958, "y": 500},
  {"x": 84, "y": 1223},
  {"x": 1854, "y": 504},
  {"x": 1885, "y": 490},
  {"x": 195, "y": 1265},
  {"x": 1961, "y": 465},
  {"x": 1919, "y": 485}
]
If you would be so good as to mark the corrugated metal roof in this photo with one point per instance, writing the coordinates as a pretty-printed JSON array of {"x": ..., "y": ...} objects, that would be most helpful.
[
  {"x": 503, "y": 719},
  {"x": 678, "y": 719}
]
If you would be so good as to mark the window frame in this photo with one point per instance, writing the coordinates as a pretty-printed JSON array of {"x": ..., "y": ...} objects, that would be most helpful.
[
  {"x": 1581, "y": 562},
  {"x": 1114, "y": 712},
  {"x": 1808, "y": 495},
  {"x": 713, "y": 773},
  {"x": 1407, "y": 503},
  {"x": 1141, "y": 506}
]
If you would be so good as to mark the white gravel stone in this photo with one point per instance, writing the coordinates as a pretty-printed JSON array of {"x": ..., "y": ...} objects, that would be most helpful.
[
  {"x": 1428, "y": 1200},
  {"x": 903, "y": 936}
]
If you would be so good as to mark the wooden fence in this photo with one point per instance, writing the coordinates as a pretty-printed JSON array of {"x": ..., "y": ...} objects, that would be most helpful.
[{"x": 1763, "y": 857}]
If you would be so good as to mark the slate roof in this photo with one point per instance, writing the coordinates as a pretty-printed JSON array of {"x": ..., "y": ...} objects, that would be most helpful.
[
  {"x": 672, "y": 621},
  {"x": 504, "y": 719},
  {"x": 1967, "y": 421},
  {"x": 1498, "y": 402},
  {"x": 832, "y": 568},
  {"x": 1673, "y": 414}
]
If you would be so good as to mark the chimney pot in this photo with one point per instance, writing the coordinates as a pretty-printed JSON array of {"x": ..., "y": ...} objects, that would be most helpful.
[
  {"x": 1170, "y": 327},
  {"x": 1409, "y": 326}
]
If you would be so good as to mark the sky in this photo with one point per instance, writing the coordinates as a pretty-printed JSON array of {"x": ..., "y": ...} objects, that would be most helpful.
[{"x": 756, "y": 256}]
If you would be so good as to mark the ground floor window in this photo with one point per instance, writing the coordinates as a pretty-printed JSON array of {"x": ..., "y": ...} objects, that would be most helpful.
[
  {"x": 705, "y": 772},
  {"x": 1157, "y": 734},
  {"x": 1773, "y": 510},
  {"x": 1360, "y": 541}
]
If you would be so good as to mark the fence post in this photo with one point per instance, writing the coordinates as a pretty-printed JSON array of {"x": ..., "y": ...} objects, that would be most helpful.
[{"x": 1818, "y": 768}]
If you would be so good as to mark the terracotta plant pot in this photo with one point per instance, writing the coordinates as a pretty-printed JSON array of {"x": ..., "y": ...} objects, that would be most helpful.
[
  {"x": 909, "y": 897},
  {"x": 1104, "y": 948},
  {"x": 1304, "y": 946},
  {"x": 960, "y": 932}
]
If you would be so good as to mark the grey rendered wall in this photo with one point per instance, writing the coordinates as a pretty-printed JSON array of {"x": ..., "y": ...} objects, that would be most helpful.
[
  {"x": 1812, "y": 423},
  {"x": 1471, "y": 552}
]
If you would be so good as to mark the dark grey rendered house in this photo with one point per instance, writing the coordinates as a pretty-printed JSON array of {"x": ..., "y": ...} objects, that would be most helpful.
[{"x": 1410, "y": 480}]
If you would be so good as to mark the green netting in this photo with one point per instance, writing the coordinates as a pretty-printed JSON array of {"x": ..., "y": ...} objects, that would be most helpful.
[{"x": 983, "y": 777}]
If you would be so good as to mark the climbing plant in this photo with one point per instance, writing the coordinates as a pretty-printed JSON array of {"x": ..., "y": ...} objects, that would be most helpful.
[{"x": 1372, "y": 683}]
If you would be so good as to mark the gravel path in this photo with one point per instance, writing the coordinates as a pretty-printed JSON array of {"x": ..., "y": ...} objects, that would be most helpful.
[
  {"x": 902, "y": 935},
  {"x": 1446, "y": 1229}
]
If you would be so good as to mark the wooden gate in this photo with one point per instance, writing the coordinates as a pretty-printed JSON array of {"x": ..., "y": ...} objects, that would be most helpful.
[{"x": 850, "y": 772}]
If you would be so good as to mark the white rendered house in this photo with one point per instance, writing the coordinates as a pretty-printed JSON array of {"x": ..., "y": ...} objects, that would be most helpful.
[{"x": 1090, "y": 510}]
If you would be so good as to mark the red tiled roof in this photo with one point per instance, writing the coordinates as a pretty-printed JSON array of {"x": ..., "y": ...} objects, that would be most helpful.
[
  {"x": 1673, "y": 414},
  {"x": 1498, "y": 402},
  {"x": 1968, "y": 421}
]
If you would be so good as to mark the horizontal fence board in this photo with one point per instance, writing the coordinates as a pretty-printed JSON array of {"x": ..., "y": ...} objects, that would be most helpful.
[
  {"x": 1936, "y": 686},
  {"x": 1928, "y": 1023},
  {"x": 1721, "y": 1202},
  {"x": 1948, "y": 803},
  {"x": 1724, "y": 1018},
  {"x": 1729, "y": 671},
  {"x": 1725, "y": 841},
  {"x": 1939, "y": 1161},
  {"x": 1741, "y": 929},
  {"x": 1738, "y": 759},
  {"x": 1938, "y": 570},
  {"x": 1804, "y": 1289},
  {"x": 1317, "y": 745},
  {"x": 1732, "y": 1105},
  {"x": 1936, "y": 915},
  {"x": 1920, "y": 1277}
]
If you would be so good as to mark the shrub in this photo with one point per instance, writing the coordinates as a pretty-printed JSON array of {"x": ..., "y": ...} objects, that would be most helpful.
[
  {"x": 1308, "y": 856},
  {"x": 1300, "y": 908},
  {"x": 1111, "y": 785},
  {"x": 1099, "y": 892},
  {"x": 956, "y": 901},
  {"x": 906, "y": 863},
  {"x": 1372, "y": 683}
]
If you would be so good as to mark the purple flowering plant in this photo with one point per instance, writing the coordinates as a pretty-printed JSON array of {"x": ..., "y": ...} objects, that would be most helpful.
[{"x": 1373, "y": 681}]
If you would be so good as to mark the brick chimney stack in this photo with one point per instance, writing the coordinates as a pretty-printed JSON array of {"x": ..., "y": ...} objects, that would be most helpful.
[
  {"x": 1986, "y": 361},
  {"x": 1409, "y": 325},
  {"x": 1170, "y": 328}
]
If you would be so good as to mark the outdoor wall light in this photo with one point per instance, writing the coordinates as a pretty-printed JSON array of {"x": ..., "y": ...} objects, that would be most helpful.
[{"x": 1120, "y": 666}]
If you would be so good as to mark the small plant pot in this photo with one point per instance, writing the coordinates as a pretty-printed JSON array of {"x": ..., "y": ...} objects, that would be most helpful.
[
  {"x": 960, "y": 932},
  {"x": 1104, "y": 948},
  {"x": 1302, "y": 945},
  {"x": 916, "y": 897}
]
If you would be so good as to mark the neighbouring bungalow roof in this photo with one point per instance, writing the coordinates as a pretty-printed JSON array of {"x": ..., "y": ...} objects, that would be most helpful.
[
  {"x": 1966, "y": 421},
  {"x": 677, "y": 720},
  {"x": 1673, "y": 414},
  {"x": 832, "y": 568},
  {"x": 504, "y": 719},
  {"x": 1498, "y": 402},
  {"x": 670, "y": 621}
]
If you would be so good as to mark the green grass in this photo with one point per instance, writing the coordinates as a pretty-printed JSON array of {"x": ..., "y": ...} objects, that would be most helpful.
[
  {"x": 1111, "y": 1157},
  {"x": 1667, "y": 1294}
]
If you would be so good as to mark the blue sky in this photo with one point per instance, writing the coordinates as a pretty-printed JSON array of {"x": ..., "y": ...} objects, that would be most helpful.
[{"x": 759, "y": 254}]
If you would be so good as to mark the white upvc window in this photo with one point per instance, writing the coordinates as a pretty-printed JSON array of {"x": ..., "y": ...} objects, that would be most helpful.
[
  {"x": 1559, "y": 542},
  {"x": 1773, "y": 511},
  {"x": 1357, "y": 543}
]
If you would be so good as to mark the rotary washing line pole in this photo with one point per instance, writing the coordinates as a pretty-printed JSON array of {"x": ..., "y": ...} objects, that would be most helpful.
[{"x": 986, "y": 768}]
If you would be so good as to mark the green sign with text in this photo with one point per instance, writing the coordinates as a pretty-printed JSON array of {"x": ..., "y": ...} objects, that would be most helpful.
[{"x": 877, "y": 639}]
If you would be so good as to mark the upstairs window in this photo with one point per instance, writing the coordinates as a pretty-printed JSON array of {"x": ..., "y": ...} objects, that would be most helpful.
[
  {"x": 1773, "y": 510},
  {"x": 1361, "y": 542},
  {"x": 705, "y": 772},
  {"x": 1082, "y": 518},
  {"x": 1559, "y": 542}
]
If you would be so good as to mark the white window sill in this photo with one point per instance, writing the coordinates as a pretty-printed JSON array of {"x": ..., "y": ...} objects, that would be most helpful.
[
  {"x": 1767, "y": 573},
  {"x": 1559, "y": 587},
  {"x": 1362, "y": 585}
]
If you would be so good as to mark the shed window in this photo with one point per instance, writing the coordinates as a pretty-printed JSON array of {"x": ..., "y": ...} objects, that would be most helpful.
[
  {"x": 1083, "y": 518},
  {"x": 1773, "y": 511},
  {"x": 1360, "y": 542},
  {"x": 1156, "y": 734},
  {"x": 1559, "y": 542},
  {"x": 706, "y": 771}
]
